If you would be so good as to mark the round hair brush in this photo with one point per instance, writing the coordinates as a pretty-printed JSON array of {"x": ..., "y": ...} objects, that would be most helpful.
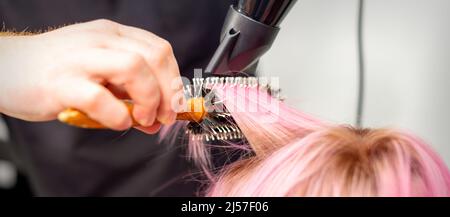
[
  {"x": 78, "y": 118},
  {"x": 208, "y": 118}
]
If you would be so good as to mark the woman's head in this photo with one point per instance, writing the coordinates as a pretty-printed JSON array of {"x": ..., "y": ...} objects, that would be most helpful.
[
  {"x": 298, "y": 155},
  {"x": 340, "y": 161}
]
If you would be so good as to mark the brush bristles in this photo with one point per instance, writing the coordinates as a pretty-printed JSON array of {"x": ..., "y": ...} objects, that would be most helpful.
[
  {"x": 202, "y": 86},
  {"x": 215, "y": 131},
  {"x": 219, "y": 125}
]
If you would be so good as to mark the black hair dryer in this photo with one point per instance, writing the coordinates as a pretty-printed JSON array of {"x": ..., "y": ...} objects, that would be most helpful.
[{"x": 249, "y": 30}]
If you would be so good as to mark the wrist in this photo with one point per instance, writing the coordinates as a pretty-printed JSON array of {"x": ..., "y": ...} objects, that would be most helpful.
[{"x": 11, "y": 65}]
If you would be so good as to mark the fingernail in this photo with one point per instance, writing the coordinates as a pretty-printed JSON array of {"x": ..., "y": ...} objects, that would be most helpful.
[
  {"x": 145, "y": 121},
  {"x": 126, "y": 124}
]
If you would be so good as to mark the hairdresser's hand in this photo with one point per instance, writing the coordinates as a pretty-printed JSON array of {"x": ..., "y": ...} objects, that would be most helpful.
[{"x": 89, "y": 66}]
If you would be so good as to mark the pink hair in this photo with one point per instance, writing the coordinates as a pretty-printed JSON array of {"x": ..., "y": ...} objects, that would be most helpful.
[
  {"x": 265, "y": 121},
  {"x": 340, "y": 161},
  {"x": 297, "y": 155}
]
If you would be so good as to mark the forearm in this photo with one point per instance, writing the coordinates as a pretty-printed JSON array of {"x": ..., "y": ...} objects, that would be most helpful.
[
  {"x": 12, "y": 61},
  {"x": 5, "y": 66},
  {"x": 14, "y": 33},
  {"x": 3, "y": 34},
  {"x": 42, "y": 74}
]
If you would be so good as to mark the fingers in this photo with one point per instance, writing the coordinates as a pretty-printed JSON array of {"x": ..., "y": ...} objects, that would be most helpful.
[
  {"x": 151, "y": 129},
  {"x": 143, "y": 88},
  {"x": 165, "y": 66},
  {"x": 170, "y": 84},
  {"x": 139, "y": 62},
  {"x": 125, "y": 69},
  {"x": 96, "y": 101},
  {"x": 159, "y": 56}
]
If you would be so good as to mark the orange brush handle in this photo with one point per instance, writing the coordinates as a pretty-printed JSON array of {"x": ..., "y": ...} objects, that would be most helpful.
[{"x": 78, "y": 118}]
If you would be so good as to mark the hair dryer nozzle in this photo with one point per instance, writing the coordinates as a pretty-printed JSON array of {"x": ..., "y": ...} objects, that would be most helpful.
[
  {"x": 269, "y": 12},
  {"x": 248, "y": 32}
]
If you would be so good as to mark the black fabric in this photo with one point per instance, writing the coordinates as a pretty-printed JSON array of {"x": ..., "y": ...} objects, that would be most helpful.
[{"x": 64, "y": 161}]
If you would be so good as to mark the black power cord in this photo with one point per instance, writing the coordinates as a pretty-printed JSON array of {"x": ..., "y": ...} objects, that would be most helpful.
[{"x": 361, "y": 69}]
